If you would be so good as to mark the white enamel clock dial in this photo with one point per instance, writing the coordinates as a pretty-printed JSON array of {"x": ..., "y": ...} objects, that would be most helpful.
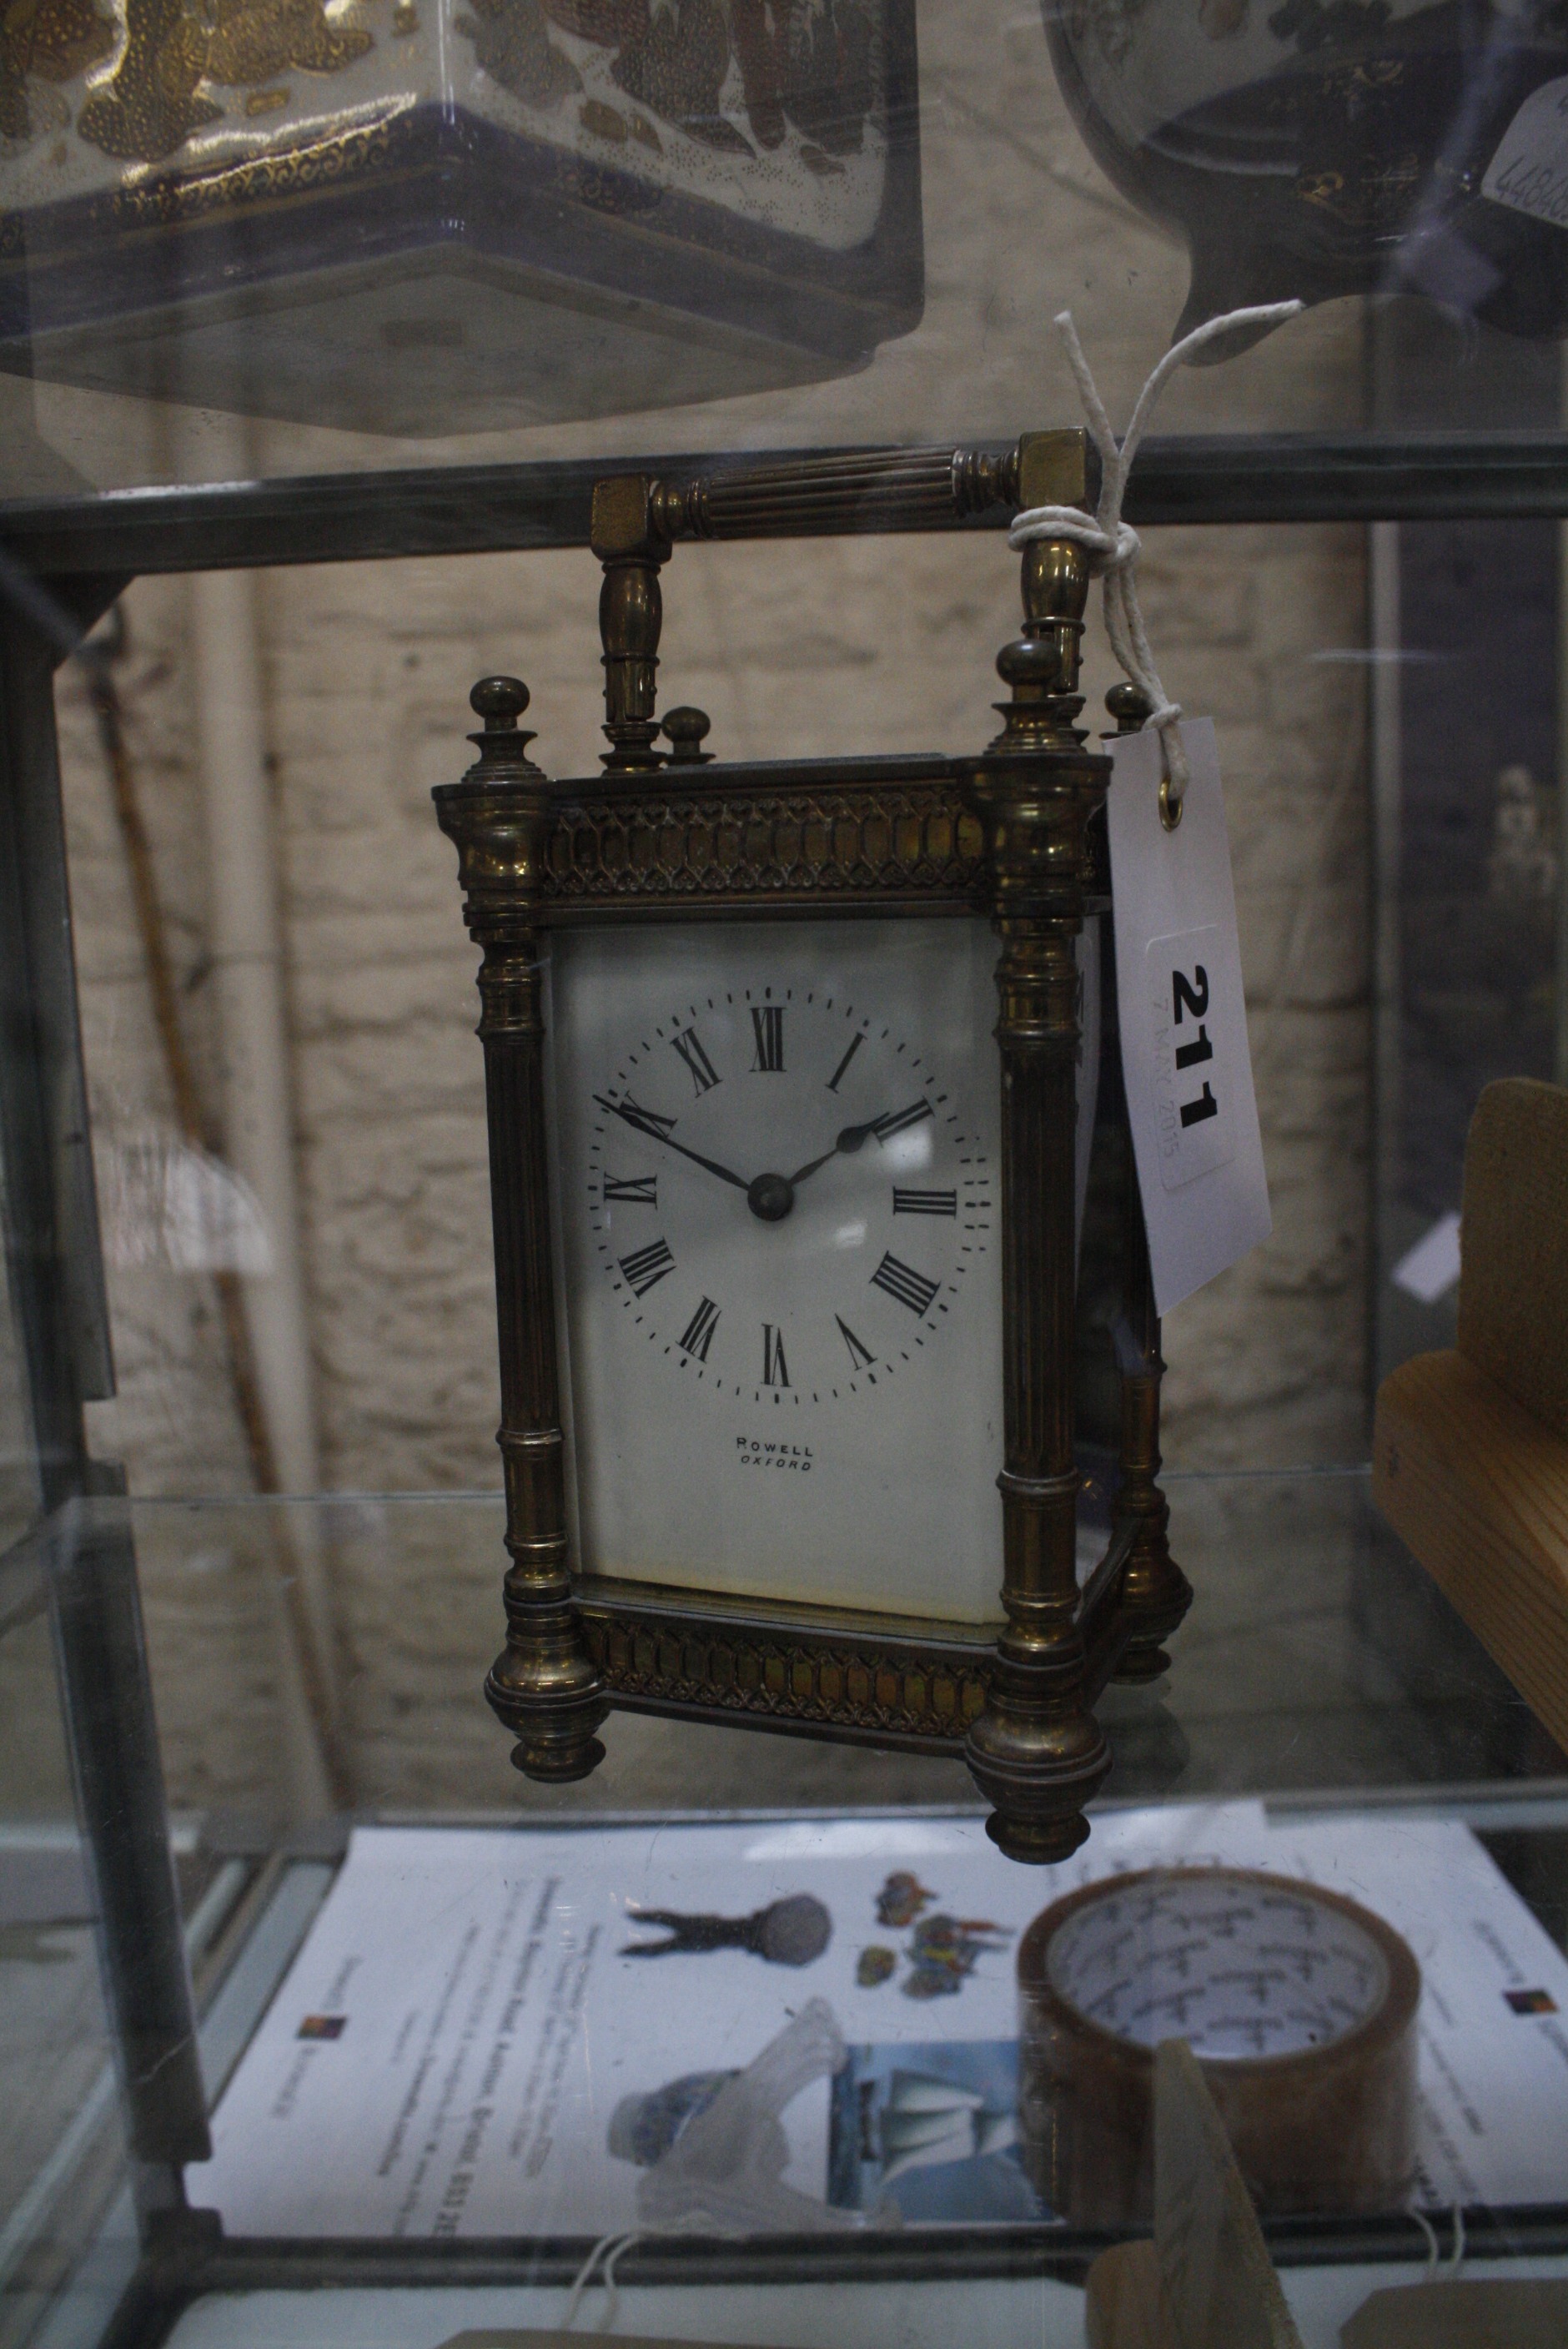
[{"x": 779, "y": 1227}]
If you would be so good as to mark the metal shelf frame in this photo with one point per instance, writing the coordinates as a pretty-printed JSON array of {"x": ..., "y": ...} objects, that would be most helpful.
[{"x": 494, "y": 508}]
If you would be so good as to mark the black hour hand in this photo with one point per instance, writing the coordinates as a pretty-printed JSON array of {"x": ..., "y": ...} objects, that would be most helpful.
[
  {"x": 899, "y": 1121},
  {"x": 855, "y": 1137}
]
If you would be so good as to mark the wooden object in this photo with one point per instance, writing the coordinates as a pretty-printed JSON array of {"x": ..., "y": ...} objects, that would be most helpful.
[
  {"x": 1479, "y": 1490},
  {"x": 1457, "y": 2313},
  {"x": 1125, "y": 2302},
  {"x": 1470, "y": 1446},
  {"x": 519, "y": 2336},
  {"x": 1514, "y": 1286},
  {"x": 1206, "y": 2281}
]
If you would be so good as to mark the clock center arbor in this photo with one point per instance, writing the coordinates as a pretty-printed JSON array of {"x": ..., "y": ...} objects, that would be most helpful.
[{"x": 787, "y": 1071}]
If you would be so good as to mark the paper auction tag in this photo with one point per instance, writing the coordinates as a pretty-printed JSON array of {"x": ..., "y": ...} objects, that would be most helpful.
[
  {"x": 1528, "y": 172},
  {"x": 1184, "y": 1019}
]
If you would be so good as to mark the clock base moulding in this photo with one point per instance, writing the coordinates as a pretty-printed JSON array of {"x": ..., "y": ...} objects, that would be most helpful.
[
  {"x": 1012, "y": 835},
  {"x": 804, "y": 1671}
]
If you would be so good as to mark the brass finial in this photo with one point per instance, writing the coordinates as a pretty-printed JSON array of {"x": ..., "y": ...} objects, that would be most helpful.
[
  {"x": 1130, "y": 706},
  {"x": 626, "y": 533},
  {"x": 686, "y": 729},
  {"x": 1041, "y": 665},
  {"x": 503, "y": 744}
]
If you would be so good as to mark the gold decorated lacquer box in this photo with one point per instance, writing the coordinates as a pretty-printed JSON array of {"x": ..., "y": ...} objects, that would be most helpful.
[{"x": 412, "y": 215}]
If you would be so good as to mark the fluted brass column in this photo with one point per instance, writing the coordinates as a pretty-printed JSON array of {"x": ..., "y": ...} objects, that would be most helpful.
[
  {"x": 1036, "y": 1752},
  {"x": 1155, "y": 1593},
  {"x": 542, "y": 1684}
]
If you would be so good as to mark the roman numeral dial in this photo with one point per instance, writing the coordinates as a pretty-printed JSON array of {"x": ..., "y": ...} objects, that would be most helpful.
[
  {"x": 860, "y": 1355},
  {"x": 633, "y": 1190},
  {"x": 836, "y": 1079},
  {"x": 901, "y": 1282},
  {"x": 767, "y": 1031},
  {"x": 703, "y": 1075},
  {"x": 788, "y": 1197},
  {"x": 924, "y": 1203},
  {"x": 900, "y": 1121},
  {"x": 697, "y": 1335},
  {"x": 647, "y": 1267},
  {"x": 640, "y": 1119}
]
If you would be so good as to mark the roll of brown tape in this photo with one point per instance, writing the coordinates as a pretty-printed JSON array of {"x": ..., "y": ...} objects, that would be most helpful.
[{"x": 1299, "y": 2005}]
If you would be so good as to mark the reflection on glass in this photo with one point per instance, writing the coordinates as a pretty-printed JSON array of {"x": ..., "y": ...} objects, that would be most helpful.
[
  {"x": 415, "y": 218},
  {"x": 1370, "y": 147},
  {"x": 61, "y": 2147},
  {"x": 394, "y": 232}
]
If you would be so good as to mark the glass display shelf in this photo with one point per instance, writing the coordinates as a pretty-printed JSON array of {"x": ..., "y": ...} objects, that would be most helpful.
[
  {"x": 1321, "y": 1663},
  {"x": 459, "y": 1946}
]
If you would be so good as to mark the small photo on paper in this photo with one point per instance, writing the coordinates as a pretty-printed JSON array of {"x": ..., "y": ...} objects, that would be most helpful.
[
  {"x": 1530, "y": 2002},
  {"x": 932, "y": 2127}
]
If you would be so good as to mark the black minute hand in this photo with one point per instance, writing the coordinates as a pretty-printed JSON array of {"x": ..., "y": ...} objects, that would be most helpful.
[{"x": 642, "y": 1121}]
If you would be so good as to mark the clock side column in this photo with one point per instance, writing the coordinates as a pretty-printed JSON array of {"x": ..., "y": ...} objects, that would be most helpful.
[
  {"x": 1155, "y": 1593},
  {"x": 1036, "y": 1751},
  {"x": 543, "y": 1686}
]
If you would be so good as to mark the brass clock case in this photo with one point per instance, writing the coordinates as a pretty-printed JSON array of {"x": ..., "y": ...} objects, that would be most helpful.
[{"x": 1005, "y": 836}]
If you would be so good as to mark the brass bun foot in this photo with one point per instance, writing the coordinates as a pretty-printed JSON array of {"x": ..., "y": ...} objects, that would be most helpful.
[
  {"x": 1037, "y": 1774},
  {"x": 1037, "y": 1844},
  {"x": 1155, "y": 1597},
  {"x": 558, "y": 1766},
  {"x": 554, "y": 1725},
  {"x": 1142, "y": 1663}
]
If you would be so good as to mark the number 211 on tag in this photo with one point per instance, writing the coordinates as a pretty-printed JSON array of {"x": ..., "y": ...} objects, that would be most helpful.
[{"x": 1194, "y": 1124}]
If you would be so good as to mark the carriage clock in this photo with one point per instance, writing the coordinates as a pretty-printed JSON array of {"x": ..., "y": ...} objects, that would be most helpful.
[{"x": 784, "y": 1242}]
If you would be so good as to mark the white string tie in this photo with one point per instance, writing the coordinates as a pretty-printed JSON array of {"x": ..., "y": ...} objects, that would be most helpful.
[
  {"x": 1112, "y": 544},
  {"x": 1434, "y": 2252},
  {"x": 603, "y": 2257},
  {"x": 599, "y": 2267}
]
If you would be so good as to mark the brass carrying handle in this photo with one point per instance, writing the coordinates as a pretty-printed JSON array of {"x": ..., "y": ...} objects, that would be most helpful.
[
  {"x": 859, "y": 491},
  {"x": 636, "y": 522}
]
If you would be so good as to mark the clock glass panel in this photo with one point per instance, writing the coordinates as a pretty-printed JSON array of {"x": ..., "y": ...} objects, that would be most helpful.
[{"x": 778, "y": 1227}]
